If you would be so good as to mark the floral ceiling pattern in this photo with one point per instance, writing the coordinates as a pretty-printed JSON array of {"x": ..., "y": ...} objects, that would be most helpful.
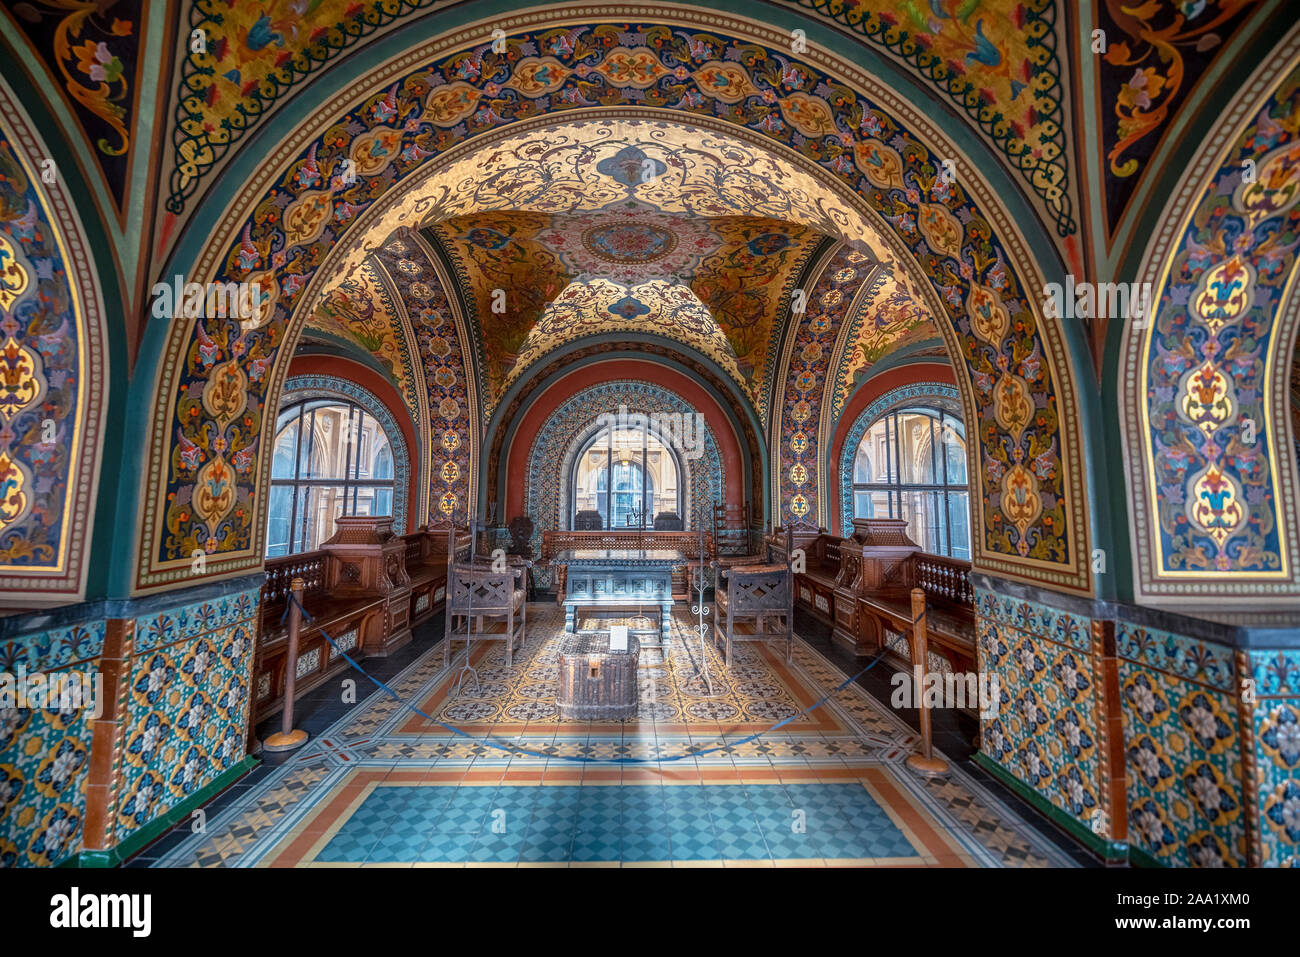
[
  {"x": 51, "y": 403},
  {"x": 1156, "y": 52},
  {"x": 92, "y": 50},
  {"x": 1214, "y": 462},
  {"x": 599, "y": 307},
  {"x": 361, "y": 311},
  {"x": 738, "y": 270},
  {"x": 890, "y": 320},
  {"x": 997, "y": 61}
]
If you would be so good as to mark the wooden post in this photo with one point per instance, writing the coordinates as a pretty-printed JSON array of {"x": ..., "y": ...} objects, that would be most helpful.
[
  {"x": 287, "y": 738},
  {"x": 925, "y": 763}
]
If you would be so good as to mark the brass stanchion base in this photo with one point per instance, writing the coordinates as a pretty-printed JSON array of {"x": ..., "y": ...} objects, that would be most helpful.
[
  {"x": 285, "y": 742},
  {"x": 928, "y": 767}
]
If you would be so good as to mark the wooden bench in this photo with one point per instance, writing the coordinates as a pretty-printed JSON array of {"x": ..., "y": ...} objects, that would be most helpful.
[
  {"x": 950, "y": 611},
  {"x": 346, "y": 618},
  {"x": 815, "y": 586},
  {"x": 359, "y": 589}
]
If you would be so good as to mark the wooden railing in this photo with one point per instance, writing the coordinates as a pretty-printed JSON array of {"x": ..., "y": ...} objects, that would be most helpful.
[
  {"x": 942, "y": 577},
  {"x": 366, "y": 590},
  {"x": 309, "y": 566}
]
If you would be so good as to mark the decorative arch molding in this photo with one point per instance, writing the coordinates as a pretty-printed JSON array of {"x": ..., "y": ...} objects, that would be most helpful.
[
  {"x": 980, "y": 272},
  {"x": 669, "y": 368},
  {"x": 54, "y": 351},
  {"x": 1208, "y": 517},
  {"x": 1032, "y": 36},
  {"x": 571, "y": 423},
  {"x": 443, "y": 344},
  {"x": 937, "y": 394},
  {"x": 300, "y": 387}
]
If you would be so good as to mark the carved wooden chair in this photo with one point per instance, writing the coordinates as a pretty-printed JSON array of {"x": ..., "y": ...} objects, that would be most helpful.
[
  {"x": 754, "y": 603},
  {"x": 491, "y": 604}
]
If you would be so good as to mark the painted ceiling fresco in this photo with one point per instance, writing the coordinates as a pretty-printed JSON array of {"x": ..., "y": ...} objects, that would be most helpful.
[
  {"x": 594, "y": 307},
  {"x": 1155, "y": 54},
  {"x": 668, "y": 265},
  {"x": 957, "y": 234},
  {"x": 998, "y": 61},
  {"x": 360, "y": 310},
  {"x": 253, "y": 55},
  {"x": 51, "y": 350},
  {"x": 1207, "y": 357},
  {"x": 891, "y": 319},
  {"x": 91, "y": 49}
]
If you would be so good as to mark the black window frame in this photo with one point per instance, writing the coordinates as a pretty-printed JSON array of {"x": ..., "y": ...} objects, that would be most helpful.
[
  {"x": 350, "y": 483},
  {"x": 896, "y": 487}
]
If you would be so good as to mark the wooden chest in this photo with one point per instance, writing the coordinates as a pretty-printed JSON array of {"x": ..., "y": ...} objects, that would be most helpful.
[{"x": 597, "y": 684}]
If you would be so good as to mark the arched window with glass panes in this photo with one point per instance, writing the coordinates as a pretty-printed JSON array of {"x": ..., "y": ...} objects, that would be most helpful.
[
  {"x": 330, "y": 458},
  {"x": 911, "y": 464},
  {"x": 627, "y": 477}
]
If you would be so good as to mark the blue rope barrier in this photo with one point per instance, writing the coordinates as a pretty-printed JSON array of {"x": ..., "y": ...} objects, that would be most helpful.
[{"x": 517, "y": 749}]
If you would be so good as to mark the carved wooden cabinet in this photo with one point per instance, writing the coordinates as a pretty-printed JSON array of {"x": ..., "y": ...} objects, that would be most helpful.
[{"x": 368, "y": 559}]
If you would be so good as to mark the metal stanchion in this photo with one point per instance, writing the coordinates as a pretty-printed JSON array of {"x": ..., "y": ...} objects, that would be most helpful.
[
  {"x": 924, "y": 763},
  {"x": 700, "y": 609},
  {"x": 288, "y": 738}
]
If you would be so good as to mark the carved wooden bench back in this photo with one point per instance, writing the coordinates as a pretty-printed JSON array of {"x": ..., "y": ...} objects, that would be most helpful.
[
  {"x": 478, "y": 590},
  {"x": 759, "y": 591}
]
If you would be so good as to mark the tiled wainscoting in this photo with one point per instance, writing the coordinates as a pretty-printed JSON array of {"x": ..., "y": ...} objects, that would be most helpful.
[
  {"x": 91, "y": 783},
  {"x": 1177, "y": 745}
]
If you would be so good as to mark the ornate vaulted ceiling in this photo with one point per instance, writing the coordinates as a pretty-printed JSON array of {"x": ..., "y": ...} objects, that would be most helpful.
[
  {"x": 361, "y": 311},
  {"x": 717, "y": 284}
]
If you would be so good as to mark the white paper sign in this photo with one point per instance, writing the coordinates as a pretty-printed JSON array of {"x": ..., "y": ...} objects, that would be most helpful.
[{"x": 618, "y": 637}]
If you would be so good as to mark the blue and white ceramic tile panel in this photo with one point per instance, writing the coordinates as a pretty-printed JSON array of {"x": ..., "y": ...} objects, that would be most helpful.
[
  {"x": 1276, "y": 676},
  {"x": 1045, "y": 732},
  {"x": 44, "y": 753},
  {"x": 186, "y": 705},
  {"x": 1182, "y": 752}
]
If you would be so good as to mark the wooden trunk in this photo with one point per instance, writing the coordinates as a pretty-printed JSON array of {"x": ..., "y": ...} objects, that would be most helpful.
[{"x": 595, "y": 683}]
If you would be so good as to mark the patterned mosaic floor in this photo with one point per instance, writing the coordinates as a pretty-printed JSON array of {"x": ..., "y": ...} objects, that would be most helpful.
[{"x": 386, "y": 787}]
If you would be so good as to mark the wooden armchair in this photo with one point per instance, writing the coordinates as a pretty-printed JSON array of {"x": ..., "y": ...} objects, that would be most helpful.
[
  {"x": 754, "y": 603},
  {"x": 493, "y": 605}
]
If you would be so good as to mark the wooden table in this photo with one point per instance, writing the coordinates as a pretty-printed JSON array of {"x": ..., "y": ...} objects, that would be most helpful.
[{"x": 619, "y": 578}]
